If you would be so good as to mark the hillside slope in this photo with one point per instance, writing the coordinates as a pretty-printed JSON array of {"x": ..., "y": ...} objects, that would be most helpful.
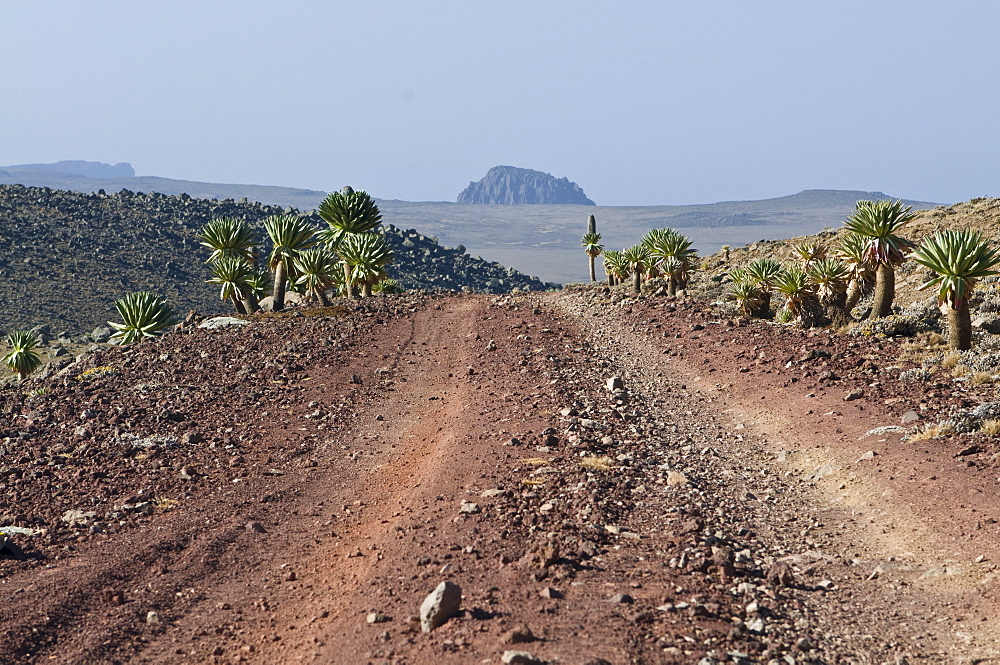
[
  {"x": 981, "y": 214},
  {"x": 541, "y": 239},
  {"x": 65, "y": 257}
]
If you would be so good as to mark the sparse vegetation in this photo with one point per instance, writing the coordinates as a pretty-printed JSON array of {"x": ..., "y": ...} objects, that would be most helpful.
[
  {"x": 879, "y": 224},
  {"x": 22, "y": 359},
  {"x": 290, "y": 234},
  {"x": 348, "y": 213},
  {"x": 144, "y": 314},
  {"x": 592, "y": 246},
  {"x": 960, "y": 259}
]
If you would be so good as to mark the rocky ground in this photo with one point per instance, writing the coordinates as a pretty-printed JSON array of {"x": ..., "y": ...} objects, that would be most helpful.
[
  {"x": 65, "y": 257},
  {"x": 608, "y": 479}
]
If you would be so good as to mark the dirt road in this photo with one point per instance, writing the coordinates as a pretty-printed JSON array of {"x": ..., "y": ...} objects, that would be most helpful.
[{"x": 290, "y": 491}]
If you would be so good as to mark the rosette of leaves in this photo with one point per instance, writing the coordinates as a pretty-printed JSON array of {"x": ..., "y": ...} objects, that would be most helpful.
[
  {"x": 851, "y": 252},
  {"x": 22, "y": 359},
  {"x": 388, "y": 285},
  {"x": 347, "y": 212},
  {"x": 762, "y": 273},
  {"x": 672, "y": 252},
  {"x": 365, "y": 255},
  {"x": 879, "y": 223},
  {"x": 144, "y": 314},
  {"x": 638, "y": 259},
  {"x": 261, "y": 283},
  {"x": 745, "y": 291},
  {"x": 800, "y": 295},
  {"x": 290, "y": 234},
  {"x": 229, "y": 237},
  {"x": 809, "y": 252},
  {"x": 317, "y": 269},
  {"x": 592, "y": 246},
  {"x": 960, "y": 259},
  {"x": 234, "y": 275},
  {"x": 614, "y": 266},
  {"x": 830, "y": 278}
]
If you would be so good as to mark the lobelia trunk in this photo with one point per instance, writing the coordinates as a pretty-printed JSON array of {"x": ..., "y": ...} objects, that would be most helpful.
[
  {"x": 959, "y": 328},
  {"x": 348, "y": 287},
  {"x": 238, "y": 304},
  {"x": 885, "y": 291},
  {"x": 250, "y": 302},
  {"x": 853, "y": 294},
  {"x": 837, "y": 310},
  {"x": 278, "y": 294},
  {"x": 593, "y": 274},
  {"x": 322, "y": 298},
  {"x": 636, "y": 280},
  {"x": 765, "y": 304},
  {"x": 366, "y": 290}
]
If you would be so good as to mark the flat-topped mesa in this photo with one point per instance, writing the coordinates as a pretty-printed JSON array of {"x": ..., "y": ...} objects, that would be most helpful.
[{"x": 509, "y": 185}]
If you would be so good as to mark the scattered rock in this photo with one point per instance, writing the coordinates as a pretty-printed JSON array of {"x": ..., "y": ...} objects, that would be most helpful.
[
  {"x": 378, "y": 617},
  {"x": 622, "y": 599},
  {"x": 676, "y": 479},
  {"x": 615, "y": 383},
  {"x": 111, "y": 596},
  {"x": 255, "y": 527},
  {"x": 780, "y": 575},
  {"x": 440, "y": 605},
  {"x": 520, "y": 658},
  {"x": 549, "y": 592},
  {"x": 78, "y": 517},
  {"x": 520, "y": 634},
  {"x": 857, "y": 393},
  {"x": 822, "y": 471},
  {"x": 469, "y": 508},
  {"x": 153, "y": 617},
  {"x": 221, "y": 322}
]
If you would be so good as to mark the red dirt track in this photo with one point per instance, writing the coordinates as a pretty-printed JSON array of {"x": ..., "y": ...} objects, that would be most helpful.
[{"x": 260, "y": 491}]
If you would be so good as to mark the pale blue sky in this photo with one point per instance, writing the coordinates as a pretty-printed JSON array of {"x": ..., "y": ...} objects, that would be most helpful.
[{"x": 639, "y": 102}]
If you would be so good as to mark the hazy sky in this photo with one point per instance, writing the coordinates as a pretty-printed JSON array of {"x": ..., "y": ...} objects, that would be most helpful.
[{"x": 639, "y": 102}]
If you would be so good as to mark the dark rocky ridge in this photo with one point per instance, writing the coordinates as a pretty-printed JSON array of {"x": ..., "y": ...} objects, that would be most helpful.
[
  {"x": 509, "y": 185},
  {"x": 66, "y": 256}
]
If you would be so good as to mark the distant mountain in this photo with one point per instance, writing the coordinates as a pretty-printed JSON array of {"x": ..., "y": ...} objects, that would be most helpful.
[
  {"x": 73, "y": 176},
  {"x": 97, "y": 170},
  {"x": 509, "y": 185}
]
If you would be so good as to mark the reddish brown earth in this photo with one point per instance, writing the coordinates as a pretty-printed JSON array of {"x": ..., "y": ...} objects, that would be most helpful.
[{"x": 262, "y": 490}]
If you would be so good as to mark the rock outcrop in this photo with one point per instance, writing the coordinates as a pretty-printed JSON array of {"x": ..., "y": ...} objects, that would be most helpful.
[
  {"x": 65, "y": 256},
  {"x": 508, "y": 185}
]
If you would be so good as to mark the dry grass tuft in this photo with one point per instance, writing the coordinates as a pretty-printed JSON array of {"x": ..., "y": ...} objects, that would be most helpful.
[
  {"x": 981, "y": 379},
  {"x": 960, "y": 370},
  {"x": 534, "y": 461},
  {"x": 990, "y": 427},
  {"x": 933, "y": 432},
  {"x": 950, "y": 360},
  {"x": 921, "y": 348},
  {"x": 596, "y": 463}
]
